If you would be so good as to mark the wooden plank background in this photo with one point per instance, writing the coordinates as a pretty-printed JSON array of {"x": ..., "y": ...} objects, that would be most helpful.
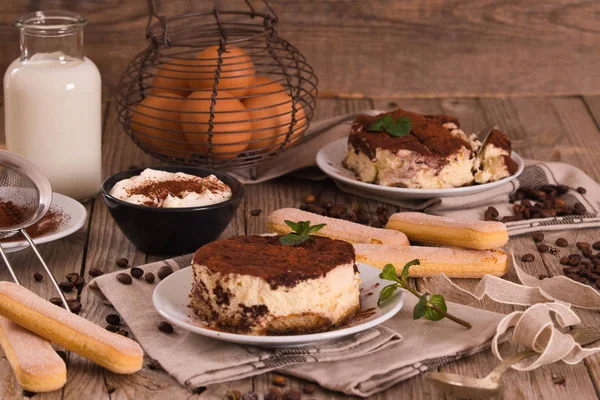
[{"x": 383, "y": 48}]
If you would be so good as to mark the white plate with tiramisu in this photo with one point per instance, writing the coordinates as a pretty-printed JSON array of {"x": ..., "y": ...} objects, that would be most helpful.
[
  {"x": 253, "y": 290},
  {"x": 405, "y": 155}
]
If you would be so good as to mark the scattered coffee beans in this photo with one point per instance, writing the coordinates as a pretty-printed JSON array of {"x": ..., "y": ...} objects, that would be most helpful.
[
  {"x": 111, "y": 328},
  {"x": 309, "y": 388},
  {"x": 537, "y": 236},
  {"x": 136, "y": 272},
  {"x": 122, "y": 262},
  {"x": 292, "y": 394},
  {"x": 562, "y": 242},
  {"x": 564, "y": 260},
  {"x": 250, "y": 396},
  {"x": 74, "y": 305},
  {"x": 66, "y": 286},
  {"x": 38, "y": 277},
  {"x": 279, "y": 380},
  {"x": 122, "y": 332},
  {"x": 165, "y": 327},
  {"x": 164, "y": 271},
  {"x": 256, "y": 212},
  {"x": 586, "y": 251},
  {"x": 56, "y": 301},
  {"x": 596, "y": 245},
  {"x": 27, "y": 393},
  {"x": 80, "y": 282},
  {"x": 113, "y": 319},
  {"x": 581, "y": 190},
  {"x": 491, "y": 214},
  {"x": 582, "y": 245},
  {"x": 528, "y": 257},
  {"x": 125, "y": 279},
  {"x": 149, "y": 277},
  {"x": 153, "y": 364},
  {"x": 273, "y": 394},
  {"x": 72, "y": 277},
  {"x": 95, "y": 272},
  {"x": 543, "y": 248}
]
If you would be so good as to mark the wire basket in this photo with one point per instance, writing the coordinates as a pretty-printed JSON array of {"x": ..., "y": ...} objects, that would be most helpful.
[{"x": 218, "y": 89}]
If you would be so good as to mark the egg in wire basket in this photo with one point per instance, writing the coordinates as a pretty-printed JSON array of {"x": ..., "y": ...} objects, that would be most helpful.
[{"x": 218, "y": 89}]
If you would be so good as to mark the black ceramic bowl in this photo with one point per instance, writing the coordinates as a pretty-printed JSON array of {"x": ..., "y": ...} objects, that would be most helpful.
[{"x": 172, "y": 231}]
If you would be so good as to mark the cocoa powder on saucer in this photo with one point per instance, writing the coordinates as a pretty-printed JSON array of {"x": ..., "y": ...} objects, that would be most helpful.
[{"x": 49, "y": 223}]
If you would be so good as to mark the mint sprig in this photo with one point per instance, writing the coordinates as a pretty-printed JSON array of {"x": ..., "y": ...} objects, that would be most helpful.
[
  {"x": 302, "y": 232},
  {"x": 431, "y": 307},
  {"x": 400, "y": 126}
]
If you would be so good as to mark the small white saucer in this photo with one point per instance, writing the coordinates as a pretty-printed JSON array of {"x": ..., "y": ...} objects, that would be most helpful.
[
  {"x": 330, "y": 158},
  {"x": 171, "y": 299},
  {"x": 76, "y": 217}
]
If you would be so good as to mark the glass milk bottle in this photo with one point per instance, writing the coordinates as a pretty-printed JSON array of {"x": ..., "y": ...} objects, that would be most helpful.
[{"x": 52, "y": 102}]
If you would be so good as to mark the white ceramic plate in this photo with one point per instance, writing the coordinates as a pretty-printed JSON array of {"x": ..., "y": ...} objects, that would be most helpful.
[
  {"x": 77, "y": 216},
  {"x": 171, "y": 299},
  {"x": 330, "y": 158}
]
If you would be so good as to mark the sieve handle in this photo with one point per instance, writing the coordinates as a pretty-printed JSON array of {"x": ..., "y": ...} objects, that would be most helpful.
[
  {"x": 10, "y": 268},
  {"x": 50, "y": 275}
]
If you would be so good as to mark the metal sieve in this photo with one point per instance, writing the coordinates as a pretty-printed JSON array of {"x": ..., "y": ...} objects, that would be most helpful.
[{"x": 25, "y": 186}]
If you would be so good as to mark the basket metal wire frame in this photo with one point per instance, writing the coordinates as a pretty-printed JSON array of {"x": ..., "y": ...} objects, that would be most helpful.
[{"x": 174, "y": 45}]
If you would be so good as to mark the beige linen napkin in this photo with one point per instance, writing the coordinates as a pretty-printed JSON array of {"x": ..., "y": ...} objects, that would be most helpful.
[
  {"x": 362, "y": 364},
  {"x": 464, "y": 207}
]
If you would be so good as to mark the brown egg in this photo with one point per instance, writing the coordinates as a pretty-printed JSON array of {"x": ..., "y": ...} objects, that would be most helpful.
[
  {"x": 264, "y": 85},
  {"x": 237, "y": 70},
  {"x": 231, "y": 127},
  {"x": 159, "y": 117},
  {"x": 271, "y": 117},
  {"x": 172, "y": 76}
]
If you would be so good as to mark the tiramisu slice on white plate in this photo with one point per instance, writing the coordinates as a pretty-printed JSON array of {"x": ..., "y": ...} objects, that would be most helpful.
[{"x": 254, "y": 285}]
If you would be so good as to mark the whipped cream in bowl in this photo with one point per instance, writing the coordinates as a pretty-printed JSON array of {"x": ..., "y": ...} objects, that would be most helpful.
[
  {"x": 164, "y": 189},
  {"x": 172, "y": 210}
]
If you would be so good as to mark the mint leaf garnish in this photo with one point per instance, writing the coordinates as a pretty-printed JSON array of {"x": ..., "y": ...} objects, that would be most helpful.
[
  {"x": 401, "y": 126},
  {"x": 302, "y": 232}
]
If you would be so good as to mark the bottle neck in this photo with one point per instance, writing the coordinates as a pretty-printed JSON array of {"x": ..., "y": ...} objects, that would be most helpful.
[{"x": 55, "y": 34}]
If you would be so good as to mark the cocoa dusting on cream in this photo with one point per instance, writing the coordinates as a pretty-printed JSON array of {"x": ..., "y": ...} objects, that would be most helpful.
[
  {"x": 176, "y": 188},
  {"x": 264, "y": 257},
  {"x": 501, "y": 140}
]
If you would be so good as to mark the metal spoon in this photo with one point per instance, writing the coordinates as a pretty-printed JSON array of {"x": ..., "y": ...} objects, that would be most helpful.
[
  {"x": 483, "y": 137},
  {"x": 466, "y": 386}
]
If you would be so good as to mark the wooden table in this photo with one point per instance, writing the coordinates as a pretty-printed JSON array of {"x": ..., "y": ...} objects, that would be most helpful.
[{"x": 546, "y": 128}]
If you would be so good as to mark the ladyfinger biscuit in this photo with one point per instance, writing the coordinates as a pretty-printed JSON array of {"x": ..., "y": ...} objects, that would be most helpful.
[
  {"x": 431, "y": 229},
  {"x": 109, "y": 350},
  {"x": 36, "y": 364},
  {"x": 335, "y": 228},
  {"x": 455, "y": 263}
]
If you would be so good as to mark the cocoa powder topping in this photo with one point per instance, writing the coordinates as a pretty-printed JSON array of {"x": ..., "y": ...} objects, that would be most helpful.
[{"x": 176, "y": 188}]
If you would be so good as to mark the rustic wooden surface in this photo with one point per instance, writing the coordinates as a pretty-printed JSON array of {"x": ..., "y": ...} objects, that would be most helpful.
[
  {"x": 550, "y": 128},
  {"x": 383, "y": 47}
]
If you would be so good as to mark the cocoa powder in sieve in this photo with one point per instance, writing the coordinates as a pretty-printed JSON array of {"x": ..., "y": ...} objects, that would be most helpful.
[
  {"x": 49, "y": 223},
  {"x": 11, "y": 214}
]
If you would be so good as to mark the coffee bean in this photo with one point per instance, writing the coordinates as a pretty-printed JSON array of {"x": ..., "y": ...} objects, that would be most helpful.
[
  {"x": 547, "y": 213},
  {"x": 27, "y": 393},
  {"x": 95, "y": 272},
  {"x": 383, "y": 219},
  {"x": 327, "y": 205},
  {"x": 111, "y": 328},
  {"x": 113, "y": 319},
  {"x": 543, "y": 248},
  {"x": 562, "y": 242},
  {"x": 122, "y": 332},
  {"x": 581, "y": 190},
  {"x": 74, "y": 305},
  {"x": 315, "y": 209},
  {"x": 125, "y": 279},
  {"x": 528, "y": 257},
  {"x": 153, "y": 364},
  {"x": 38, "y": 277},
  {"x": 575, "y": 277},
  {"x": 596, "y": 245},
  {"x": 309, "y": 198},
  {"x": 165, "y": 327},
  {"x": 72, "y": 277},
  {"x": 337, "y": 210},
  {"x": 292, "y": 394},
  {"x": 586, "y": 252},
  {"x": 233, "y": 395},
  {"x": 592, "y": 276},
  {"x": 149, "y": 277},
  {"x": 62, "y": 355},
  {"x": 587, "y": 263},
  {"x": 250, "y": 396},
  {"x": 273, "y": 394},
  {"x": 542, "y": 277},
  {"x": 582, "y": 245},
  {"x": 579, "y": 209},
  {"x": 572, "y": 262},
  {"x": 491, "y": 214},
  {"x": 164, "y": 271},
  {"x": 572, "y": 270},
  {"x": 79, "y": 283},
  {"x": 66, "y": 286},
  {"x": 279, "y": 380},
  {"x": 564, "y": 260},
  {"x": 598, "y": 283},
  {"x": 56, "y": 301},
  {"x": 309, "y": 388},
  {"x": 136, "y": 272},
  {"x": 537, "y": 236},
  {"x": 122, "y": 262},
  {"x": 575, "y": 256},
  {"x": 256, "y": 212}
]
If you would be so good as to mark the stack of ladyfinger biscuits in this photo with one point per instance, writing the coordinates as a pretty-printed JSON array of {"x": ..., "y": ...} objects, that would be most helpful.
[
  {"x": 461, "y": 249},
  {"x": 28, "y": 325}
]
